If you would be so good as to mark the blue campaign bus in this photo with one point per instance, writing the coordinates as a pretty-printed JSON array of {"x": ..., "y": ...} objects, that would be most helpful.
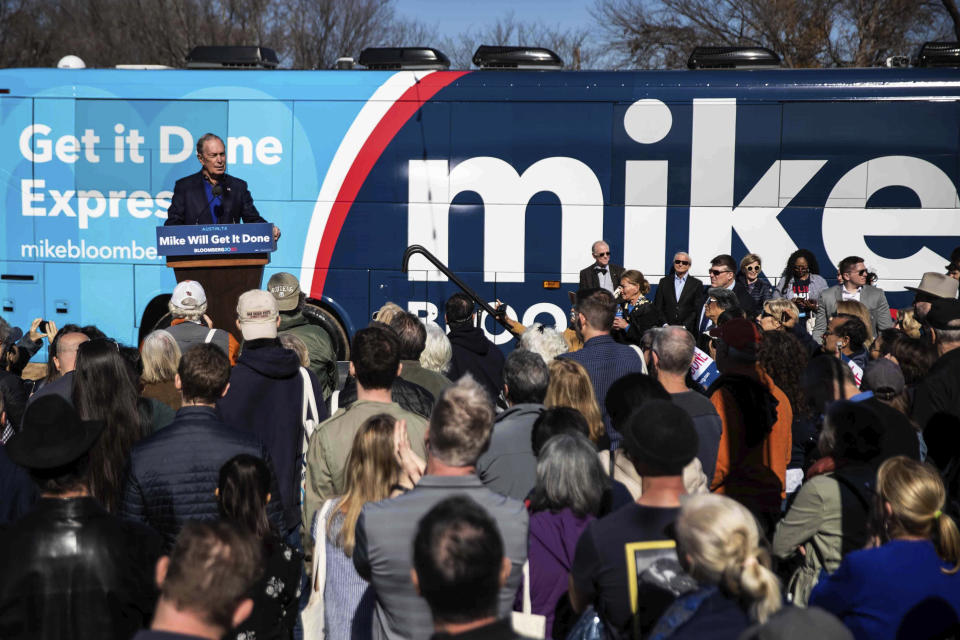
[{"x": 506, "y": 176}]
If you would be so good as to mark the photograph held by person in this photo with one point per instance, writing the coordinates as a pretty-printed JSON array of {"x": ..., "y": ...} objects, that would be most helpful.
[
  {"x": 375, "y": 362},
  {"x": 906, "y": 585},
  {"x": 718, "y": 545},
  {"x": 636, "y": 540},
  {"x": 243, "y": 493},
  {"x": 637, "y": 313},
  {"x": 568, "y": 495},
  {"x": 828, "y": 517},
  {"x": 459, "y": 432},
  {"x": 172, "y": 476},
  {"x": 459, "y": 568},
  {"x": 750, "y": 276},
  {"x": 205, "y": 583},
  {"x": 570, "y": 386},
  {"x": 70, "y": 569},
  {"x": 679, "y": 295},
  {"x": 604, "y": 359},
  {"x": 372, "y": 473},
  {"x": 508, "y": 466}
]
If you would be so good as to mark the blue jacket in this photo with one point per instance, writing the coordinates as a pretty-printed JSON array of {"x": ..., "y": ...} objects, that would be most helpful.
[
  {"x": 173, "y": 474},
  {"x": 266, "y": 399},
  {"x": 190, "y": 203}
]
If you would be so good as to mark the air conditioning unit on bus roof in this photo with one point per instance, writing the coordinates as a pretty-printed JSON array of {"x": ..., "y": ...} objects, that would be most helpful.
[
  {"x": 939, "y": 54},
  {"x": 490, "y": 57},
  {"x": 406, "y": 58},
  {"x": 232, "y": 57},
  {"x": 733, "y": 58}
]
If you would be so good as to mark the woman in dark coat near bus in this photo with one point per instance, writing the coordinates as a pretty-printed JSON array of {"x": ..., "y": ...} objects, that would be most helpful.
[{"x": 637, "y": 313}]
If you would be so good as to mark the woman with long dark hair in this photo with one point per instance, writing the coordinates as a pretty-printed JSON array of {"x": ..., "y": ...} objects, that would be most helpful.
[
  {"x": 801, "y": 282},
  {"x": 243, "y": 493},
  {"x": 103, "y": 390}
]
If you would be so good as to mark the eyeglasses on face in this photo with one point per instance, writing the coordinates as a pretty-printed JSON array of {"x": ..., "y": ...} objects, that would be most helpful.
[
  {"x": 685, "y": 263},
  {"x": 753, "y": 268},
  {"x": 717, "y": 272},
  {"x": 601, "y": 254}
]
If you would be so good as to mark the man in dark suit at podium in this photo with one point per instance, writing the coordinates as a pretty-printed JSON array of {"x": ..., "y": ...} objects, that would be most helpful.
[
  {"x": 601, "y": 274},
  {"x": 211, "y": 196}
]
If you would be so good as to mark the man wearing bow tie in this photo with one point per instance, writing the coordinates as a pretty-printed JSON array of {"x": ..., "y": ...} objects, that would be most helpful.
[{"x": 601, "y": 273}]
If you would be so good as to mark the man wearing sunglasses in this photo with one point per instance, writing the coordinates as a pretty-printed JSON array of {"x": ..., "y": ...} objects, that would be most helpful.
[
  {"x": 679, "y": 295},
  {"x": 602, "y": 274},
  {"x": 853, "y": 286},
  {"x": 723, "y": 275}
]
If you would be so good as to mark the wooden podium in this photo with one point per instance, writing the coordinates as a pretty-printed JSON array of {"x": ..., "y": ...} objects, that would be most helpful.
[{"x": 224, "y": 279}]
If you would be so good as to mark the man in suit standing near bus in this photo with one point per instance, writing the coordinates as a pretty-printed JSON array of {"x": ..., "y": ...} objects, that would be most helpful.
[
  {"x": 679, "y": 295},
  {"x": 212, "y": 196},
  {"x": 601, "y": 274}
]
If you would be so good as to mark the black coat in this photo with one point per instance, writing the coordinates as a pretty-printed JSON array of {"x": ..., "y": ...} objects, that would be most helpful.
[
  {"x": 474, "y": 354},
  {"x": 191, "y": 204},
  {"x": 936, "y": 409},
  {"x": 590, "y": 280},
  {"x": 408, "y": 395},
  {"x": 684, "y": 312},
  {"x": 644, "y": 316},
  {"x": 72, "y": 570},
  {"x": 173, "y": 474}
]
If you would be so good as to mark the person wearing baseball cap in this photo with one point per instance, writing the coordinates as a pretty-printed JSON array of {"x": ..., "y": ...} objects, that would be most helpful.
[
  {"x": 757, "y": 418},
  {"x": 266, "y": 396},
  {"x": 660, "y": 440},
  {"x": 70, "y": 569},
  {"x": 190, "y": 323},
  {"x": 933, "y": 286},
  {"x": 936, "y": 404},
  {"x": 323, "y": 358}
]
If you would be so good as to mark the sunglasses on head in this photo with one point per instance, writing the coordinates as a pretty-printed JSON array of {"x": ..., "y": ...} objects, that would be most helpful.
[
  {"x": 602, "y": 254},
  {"x": 685, "y": 263},
  {"x": 752, "y": 268},
  {"x": 717, "y": 272}
]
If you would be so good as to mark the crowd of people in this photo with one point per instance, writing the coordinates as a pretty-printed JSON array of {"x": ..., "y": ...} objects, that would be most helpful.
[{"x": 738, "y": 459}]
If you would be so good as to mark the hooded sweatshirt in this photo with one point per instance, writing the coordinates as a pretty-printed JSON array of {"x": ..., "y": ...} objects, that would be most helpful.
[
  {"x": 265, "y": 398},
  {"x": 474, "y": 354}
]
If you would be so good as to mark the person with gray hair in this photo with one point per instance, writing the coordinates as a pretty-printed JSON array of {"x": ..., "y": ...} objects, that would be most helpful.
[
  {"x": 509, "y": 464},
  {"x": 543, "y": 340},
  {"x": 459, "y": 433},
  {"x": 567, "y": 497},
  {"x": 717, "y": 301},
  {"x": 437, "y": 353},
  {"x": 672, "y": 356},
  {"x": 160, "y": 355}
]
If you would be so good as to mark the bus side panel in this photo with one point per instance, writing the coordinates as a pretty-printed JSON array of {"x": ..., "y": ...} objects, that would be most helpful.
[{"x": 91, "y": 293}]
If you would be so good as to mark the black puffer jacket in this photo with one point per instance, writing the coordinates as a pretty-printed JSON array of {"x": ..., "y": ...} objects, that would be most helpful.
[
  {"x": 173, "y": 474},
  {"x": 72, "y": 570}
]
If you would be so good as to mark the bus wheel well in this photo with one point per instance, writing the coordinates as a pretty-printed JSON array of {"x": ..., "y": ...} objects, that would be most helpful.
[{"x": 322, "y": 315}]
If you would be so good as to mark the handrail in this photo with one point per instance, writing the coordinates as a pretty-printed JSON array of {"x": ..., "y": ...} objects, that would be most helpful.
[{"x": 442, "y": 268}]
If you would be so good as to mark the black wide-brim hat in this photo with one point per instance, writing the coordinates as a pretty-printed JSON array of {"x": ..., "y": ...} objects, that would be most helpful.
[{"x": 52, "y": 435}]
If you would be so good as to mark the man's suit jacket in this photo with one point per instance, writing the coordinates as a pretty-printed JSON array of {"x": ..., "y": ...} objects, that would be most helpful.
[
  {"x": 190, "y": 203},
  {"x": 684, "y": 312},
  {"x": 590, "y": 280},
  {"x": 744, "y": 301},
  {"x": 874, "y": 299}
]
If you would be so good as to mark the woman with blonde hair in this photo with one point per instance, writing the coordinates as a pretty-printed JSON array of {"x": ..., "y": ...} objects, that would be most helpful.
[
  {"x": 854, "y": 308},
  {"x": 160, "y": 355},
  {"x": 906, "y": 584},
  {"x": 758, "y": 286},
  {"x": 779, "y": 314},
  {"x": 570, "y": 386},
  {"x": 908, "y": 323},
  {"x": 637, "y": 313},
  {"x": 373, "y": 472},
  {"x": 718, "y": 545}
]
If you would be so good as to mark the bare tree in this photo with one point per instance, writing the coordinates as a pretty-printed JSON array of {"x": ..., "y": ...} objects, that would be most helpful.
[{"x": 806, "y": 33}]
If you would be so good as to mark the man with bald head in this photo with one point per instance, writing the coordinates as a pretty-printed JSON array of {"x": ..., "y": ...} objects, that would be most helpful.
[
  {"x": 65, "y": 360},
  {"x": 679, "y": 295},
  {"x": 602, "y": 274}
]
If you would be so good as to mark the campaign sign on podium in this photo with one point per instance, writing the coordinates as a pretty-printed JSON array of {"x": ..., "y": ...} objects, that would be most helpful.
[{"x": 214, "y": 239}]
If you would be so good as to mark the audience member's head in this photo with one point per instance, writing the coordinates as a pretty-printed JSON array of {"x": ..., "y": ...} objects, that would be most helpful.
[
  {"x": 628, "y": 393},
  {"x": 295, "y": 344},
  {"x": 557, "y": 420},
  {"x": 799, "y": 623},
  {"x": 438, "y": 352},
  {"x": 569, "y": 476},
  {"x": 883, "y": 343},
  {"x": 203, "y": 374},
  {"x": 914, "y": 357},
  {"x": 779, "y": 314},
  {"x": 719, "y": 299},
  {"x": 207, "y": 577},
  {"x": 525, "y": 377},
  {"x": 285, "y": 288},
  {"x": 458, "y": 562},
  {"x": 386, "y": 313},
  {"x": 375, "y": 357},
  {"x": 908, "y": 323},
  {"x": 719, "y": 544},
  {"x": 461, "y": 424},
  {"x": 595, "y": 308},
  {"x": 673, "y": 349},
  {"x": 63, "y": 351},
  {"x": 825, "y": 380},
  {"x": 783, "y": 357},
  {"x": 243, "y": 492},
  {"x": 411, "y": 335},
  {"x": 542, "y": 340},
  {"x": 570, "y": 386},
  {"x": 851, "y": 432},
  {"x": 189, "y": 301},
  {"x": 660, "y": 439},
  {"x": 160, "y": 356},
  {"x": 883, "y": 377},
  {"x": 738, "y": 343},
  {"x": 458, "y": 309},
  {"x": 857, "y": 310},
  {"x": 257, "y": 315},
  {"x": 944, "y": 320},
  {"x": 933, "y": 286},
  {"x": 54, "y": 444}
]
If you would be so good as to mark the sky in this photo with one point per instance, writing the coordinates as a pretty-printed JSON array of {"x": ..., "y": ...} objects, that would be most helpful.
[{"x": 452, "y": 17}]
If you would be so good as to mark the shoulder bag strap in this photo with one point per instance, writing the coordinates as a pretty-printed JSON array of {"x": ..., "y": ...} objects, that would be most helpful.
[
  {"x": 210, "y": 335},
  {"x": 527, "y": 604}
]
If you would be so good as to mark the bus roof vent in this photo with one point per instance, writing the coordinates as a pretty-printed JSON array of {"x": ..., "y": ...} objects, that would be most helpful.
[
  {"x": 490, "y": 57},
  {"x": 939, "y": 54},
  {"x": 232, "y": 57},
  {"x": 408, "y": 58},
  {"x": 732, "y": 58}
]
